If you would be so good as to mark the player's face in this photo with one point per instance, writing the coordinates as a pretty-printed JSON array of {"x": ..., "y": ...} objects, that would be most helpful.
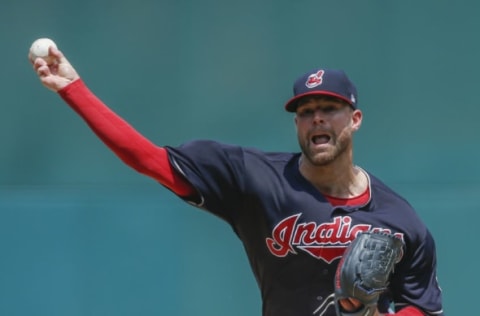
[{"x": 324, "y": 128}]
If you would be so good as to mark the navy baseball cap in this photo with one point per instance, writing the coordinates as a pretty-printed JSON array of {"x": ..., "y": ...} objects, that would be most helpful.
[{"x": 331, "y": 82}]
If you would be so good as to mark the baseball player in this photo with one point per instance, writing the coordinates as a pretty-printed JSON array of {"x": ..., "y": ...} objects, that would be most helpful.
[{"x": 295, "y": 213}]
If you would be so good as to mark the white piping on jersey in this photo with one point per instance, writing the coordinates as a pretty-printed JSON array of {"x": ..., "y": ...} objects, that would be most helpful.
[
  {"x": 369, "y": 184},
  {"x": 322, "y": 309},
  {"x": 202, "y": 199}
]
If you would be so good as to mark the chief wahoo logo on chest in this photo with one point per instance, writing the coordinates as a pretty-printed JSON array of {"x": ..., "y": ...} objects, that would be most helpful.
[{"x": 325, "y": 241}]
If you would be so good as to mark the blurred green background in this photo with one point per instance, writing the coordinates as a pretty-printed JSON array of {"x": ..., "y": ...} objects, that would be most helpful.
[{"x": 82, "y": 234}]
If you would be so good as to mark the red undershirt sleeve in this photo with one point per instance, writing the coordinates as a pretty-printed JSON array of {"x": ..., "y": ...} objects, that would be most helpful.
[
  {"x": 128, "y": 144},
  {"x": 408, "y": 311}
]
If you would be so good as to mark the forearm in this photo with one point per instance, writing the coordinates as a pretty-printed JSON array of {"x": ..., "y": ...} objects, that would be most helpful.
[{"x": 127, "y": 143}]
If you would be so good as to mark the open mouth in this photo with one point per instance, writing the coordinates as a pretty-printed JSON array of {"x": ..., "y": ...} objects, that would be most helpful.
[{"x": 320, "y": 139}]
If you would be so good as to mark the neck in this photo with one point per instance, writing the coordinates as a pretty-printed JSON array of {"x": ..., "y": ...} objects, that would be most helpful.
[{"x": 337, "y": 179}]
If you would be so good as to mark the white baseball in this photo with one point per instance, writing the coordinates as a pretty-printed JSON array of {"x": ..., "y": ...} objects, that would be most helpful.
[{"x": 40, "y": 48}]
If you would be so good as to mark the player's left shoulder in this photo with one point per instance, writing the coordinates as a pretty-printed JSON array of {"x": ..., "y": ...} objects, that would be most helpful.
[
  {"x": 395, "y": 211},
  {"x": 384, "y": 197}
]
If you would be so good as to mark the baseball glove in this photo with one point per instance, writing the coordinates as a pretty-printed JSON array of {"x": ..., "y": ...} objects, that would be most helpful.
[{"x": 363, "y": 272}]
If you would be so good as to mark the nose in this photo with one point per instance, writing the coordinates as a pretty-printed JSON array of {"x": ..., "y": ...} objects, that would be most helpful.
[{"x": 318, "y": 117}]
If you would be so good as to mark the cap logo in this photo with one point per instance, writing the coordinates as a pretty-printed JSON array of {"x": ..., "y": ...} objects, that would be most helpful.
[
  {"x": 315, "y": 79},
  {"x": 352, "y": 98}
]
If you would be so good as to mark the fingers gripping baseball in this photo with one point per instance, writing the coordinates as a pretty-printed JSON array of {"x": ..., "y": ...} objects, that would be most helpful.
[{"x": 53, "y": 69}]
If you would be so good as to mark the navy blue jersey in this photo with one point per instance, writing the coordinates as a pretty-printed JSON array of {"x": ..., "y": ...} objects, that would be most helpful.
[{"x": 294, "y": 237}]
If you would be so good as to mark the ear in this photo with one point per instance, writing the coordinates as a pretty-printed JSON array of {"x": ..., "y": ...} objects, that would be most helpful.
[
  {"x": 357, "y": 117},
  {"x": 295, "y": 120}
]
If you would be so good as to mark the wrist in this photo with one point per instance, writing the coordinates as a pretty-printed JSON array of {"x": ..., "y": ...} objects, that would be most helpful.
[{"x": 68, "y": 87}]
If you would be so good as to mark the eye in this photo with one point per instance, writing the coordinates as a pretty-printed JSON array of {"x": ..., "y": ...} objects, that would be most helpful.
[
  {"x": 329, "y": 109},
  {"x": 306, "y": 113}
]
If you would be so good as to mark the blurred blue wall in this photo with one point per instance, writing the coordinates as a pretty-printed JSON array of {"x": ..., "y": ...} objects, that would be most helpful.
[{"x": 81, "y": 234}]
